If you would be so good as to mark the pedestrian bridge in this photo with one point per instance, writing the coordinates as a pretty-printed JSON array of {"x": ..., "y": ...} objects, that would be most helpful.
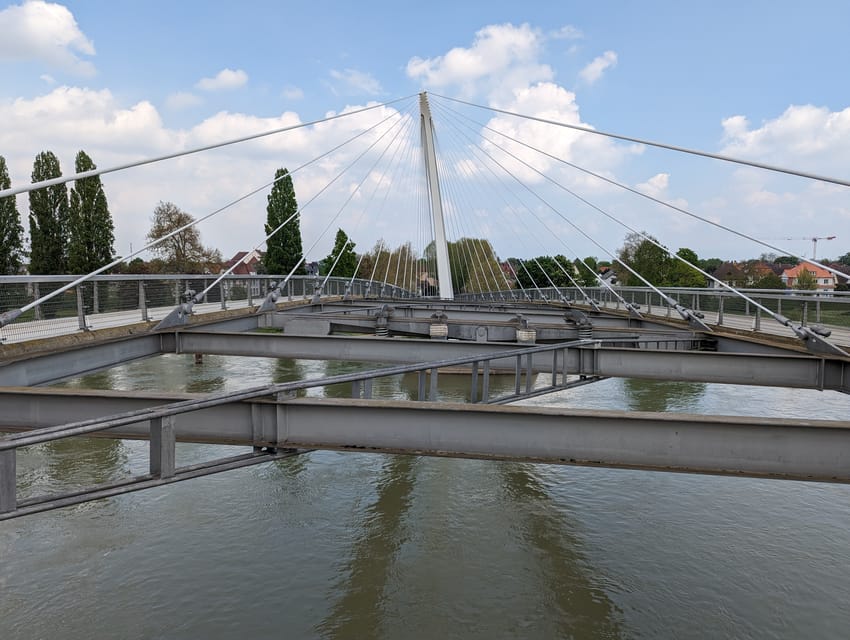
[
  {"x": 521, "y": 326},
  {"x": 543, "y": 347}
]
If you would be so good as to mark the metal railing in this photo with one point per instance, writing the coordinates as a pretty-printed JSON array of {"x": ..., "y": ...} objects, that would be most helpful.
[
  {"x": 805, "y": 307},
  {"x": 118, "y": 300}
]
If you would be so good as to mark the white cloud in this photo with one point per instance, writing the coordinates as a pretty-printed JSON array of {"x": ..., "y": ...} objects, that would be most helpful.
[
  {"x": 225, "y": 79},
  {"x": 183, "y": 100},
  {"x": 47, "y": 78},
  {"x": 68, "y": 119},
  {"x": 47, "y": 32},
  {"x": 803, "y": 136},
  {"x": 593, "y": 71},
  {"x": 291, "y": 92},
  {"x": 352, "y": 81},
  {"x": 567, "y": 32},
  {"x": 502, "y": 58},
  {"x": 656, "y": 186}
]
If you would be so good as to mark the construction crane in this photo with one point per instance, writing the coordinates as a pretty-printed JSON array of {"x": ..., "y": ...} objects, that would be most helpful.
[{"x": 814, "y": 243}]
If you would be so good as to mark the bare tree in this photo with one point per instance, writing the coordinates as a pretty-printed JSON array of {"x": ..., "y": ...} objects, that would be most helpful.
[{"x": 182, "y": 252}]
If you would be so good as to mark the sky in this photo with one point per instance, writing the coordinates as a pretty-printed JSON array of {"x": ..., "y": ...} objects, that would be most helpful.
[{"x": 764, "y": 81}]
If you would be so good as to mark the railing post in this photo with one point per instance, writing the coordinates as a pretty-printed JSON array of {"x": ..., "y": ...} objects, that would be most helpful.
[
  {"x": 143, "y": 303},
  {"x": 757, "y": 320},
  {"x": 95, "y": 298},
  {"x": 432, "y": 392},
  {"x": 8, "y": 487},
  {"x": 517, "y": 374},
  {"x": 817, "y": 310},
  {"x": 805, "y": 313},
  {"x": 162, "y": 454},
  {"x": 421, "y": 388},
  {"x": 720, "y": 310},
  {"x": 554, "y": 367},
  {"x": 81, "y": 312},
  {"x": 223, "y": 291},
  {"x": 36, "y": 295}
]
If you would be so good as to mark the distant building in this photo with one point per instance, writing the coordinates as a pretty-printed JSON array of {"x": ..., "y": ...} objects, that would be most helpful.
[
  {"x": 825, "y": 279},
  {"x": 246, "y": 263},
  {"x": 729, "y": 273}
]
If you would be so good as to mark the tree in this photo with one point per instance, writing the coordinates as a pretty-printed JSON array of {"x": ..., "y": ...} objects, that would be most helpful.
[
  {"x": 11, "y": 231},
  {"x": 681, "y": 275},
  {"x": 182, "y": 252},
  {"x": 646, "y": 258},
  {"x": 587, "y": 272},
  {"x": 283, "y": 249},
  {"x": 787, "y": 260},
  {"x": 90, "y": 229},
  {"x": 845, "y": 259},
  {"x": 709, "y": 265},
  {"x": 537, "y": 272},
  {"x": 342, "y": 261},
  {"x": 805, "y": 280},
  {"x": 769, "y": 281},
  {"x": 48, "y": 219}
]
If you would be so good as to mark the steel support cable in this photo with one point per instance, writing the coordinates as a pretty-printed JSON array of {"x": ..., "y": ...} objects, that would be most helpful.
[
  {"x": 476, "y": 257},
  {"x": 587, "y": 298},
  {"x": 9, "y": 316},
  {"x": 625, "y": 187},
  {"x": 380, "y": 246},
  {"x": 685, "y": 313},
  {"x": 462, "y": 252},
  {"x": 477, "y": 148},
  {"x": 392, "y": 162},
  {"x": 664, "y": 296},
  {"x": 451, "y": 184},
  {"x": 199, "y": 296},
  {"x": 138, "y": 163},
  {"x": 520, "y": 237},
  {"x": 347, "y": 200},
  {"x": 660, "y": 145}
]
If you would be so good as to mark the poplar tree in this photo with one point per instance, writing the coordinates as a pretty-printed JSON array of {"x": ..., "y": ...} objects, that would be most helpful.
[
  {"x": 283, "y": 249},
  {"x": 11, "y": 231},
  {"x": 48, "y": 219},
  {"x": 342, "y": 258},
  {"x": 90, "y": 228}
]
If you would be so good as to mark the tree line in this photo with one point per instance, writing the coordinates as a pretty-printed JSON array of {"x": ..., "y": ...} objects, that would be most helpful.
[{"x": 68, "y": 232}]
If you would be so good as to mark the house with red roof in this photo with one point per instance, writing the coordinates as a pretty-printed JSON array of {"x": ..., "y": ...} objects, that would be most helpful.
[{"x": 825, "y": 279}]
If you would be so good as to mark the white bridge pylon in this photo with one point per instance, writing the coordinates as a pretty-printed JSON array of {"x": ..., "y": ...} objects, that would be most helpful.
[{"x": 444, "y": 270}]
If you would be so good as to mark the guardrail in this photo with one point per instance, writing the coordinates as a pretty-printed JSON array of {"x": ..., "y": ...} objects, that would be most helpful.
[
  {"x": 805, "y": 307},
  {"x": 117, "y": 300}
]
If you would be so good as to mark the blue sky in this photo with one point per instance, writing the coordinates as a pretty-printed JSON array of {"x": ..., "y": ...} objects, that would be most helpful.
[{"x": 763, "y": 80}]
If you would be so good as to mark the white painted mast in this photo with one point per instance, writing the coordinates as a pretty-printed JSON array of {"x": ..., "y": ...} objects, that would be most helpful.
[{"x": 444, "y": 271}]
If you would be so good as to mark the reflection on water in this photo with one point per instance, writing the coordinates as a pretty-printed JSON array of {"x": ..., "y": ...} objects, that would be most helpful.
[
  {"x": 583, "y": 608},
  {"x": 655, "y": 395},
  {"x": 359, "y": 612}
]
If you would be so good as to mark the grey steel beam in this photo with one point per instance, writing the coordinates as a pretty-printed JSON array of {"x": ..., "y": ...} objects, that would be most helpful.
[
  {"x": 765, "y": 447},
  {"x": 800, "y": 371},
  {"x": 76, "y": 359}
]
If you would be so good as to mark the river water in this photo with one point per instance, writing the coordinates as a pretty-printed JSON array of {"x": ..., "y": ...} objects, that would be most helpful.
[{"x": 346, "y": 545}]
